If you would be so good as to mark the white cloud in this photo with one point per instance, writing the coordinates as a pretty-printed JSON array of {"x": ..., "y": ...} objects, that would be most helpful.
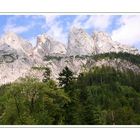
[
  {"x": 16, "y": 29},
  {"x": 129, "y": 30},
  {"x": 57, "y": 32},
  {"x": 79, "y": 20},
  {"x": 55, "y": 28},
  {"x": 98, "y": 22},
  {"x": 51, "y": 19},
  {"x": 12, "y": 27}
]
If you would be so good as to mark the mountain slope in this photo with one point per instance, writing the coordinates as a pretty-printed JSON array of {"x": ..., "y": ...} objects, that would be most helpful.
[
  {"x": 15, "y": 57},
  {"x": 80, "y": 64},
  {"x": 17, "y": 43},
  {"x": 104, "y": 44},
  {"x": 80, "y": 43},
  {"x": 18, "y": 57},
  {"x": 46, "y": 45}
]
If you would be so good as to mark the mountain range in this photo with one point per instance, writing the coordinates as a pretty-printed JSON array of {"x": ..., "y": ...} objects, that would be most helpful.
[{"x": 19, "y": 58}]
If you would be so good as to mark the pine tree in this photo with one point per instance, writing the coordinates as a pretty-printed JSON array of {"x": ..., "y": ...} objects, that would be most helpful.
[
  {"x": 46, "y": 74},
  {"x": 65, "y": 78}
]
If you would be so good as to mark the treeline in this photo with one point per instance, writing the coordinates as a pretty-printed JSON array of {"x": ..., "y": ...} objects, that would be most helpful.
[
  {"x": 102, "y": 96},
  {"x": 135, "y": 59}
]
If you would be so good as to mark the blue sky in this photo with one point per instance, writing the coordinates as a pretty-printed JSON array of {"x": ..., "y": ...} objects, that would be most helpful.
[{"x": 122, "y": 28}]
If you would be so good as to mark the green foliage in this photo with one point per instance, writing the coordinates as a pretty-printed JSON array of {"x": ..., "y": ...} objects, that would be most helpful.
[
  {"x": 38, "y": 68},
  {"x": 46, "y": 74},
  {"x": 107, "y": 96},
  {"x": 48, "y": 58},
  {"x": 32, "y": 102},
  {"x": 135, "y": 59},
  {"x": 65, "y": 78},
  {"x": 102, "y": 96}
]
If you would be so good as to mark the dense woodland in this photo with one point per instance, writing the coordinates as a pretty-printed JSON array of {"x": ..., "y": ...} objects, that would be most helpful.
[{"x": 101, "y": 96}]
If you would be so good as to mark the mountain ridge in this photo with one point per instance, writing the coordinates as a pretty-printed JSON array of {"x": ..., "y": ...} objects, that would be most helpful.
[{"x": 18, "y": 56}]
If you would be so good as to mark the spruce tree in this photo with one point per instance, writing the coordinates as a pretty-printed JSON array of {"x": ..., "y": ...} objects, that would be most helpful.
[
  {"x": 65, "y": 78},
  {"x": 46, "y": 75}
]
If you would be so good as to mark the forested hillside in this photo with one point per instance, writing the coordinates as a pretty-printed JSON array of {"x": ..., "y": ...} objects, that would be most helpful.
[
  {"x": 101, "y": 96},
  {"x": 135, "y": 59}
]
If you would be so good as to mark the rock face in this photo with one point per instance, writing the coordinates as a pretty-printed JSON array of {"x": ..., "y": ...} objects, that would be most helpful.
[
  {"x": 80, "y": 43},
  {"x": 105, "y": 44},
  {"x": 78, "y": 65},
  {"x": 15, "y": 57},
  {"x": 17, "y": 43},
  {"x": 7, "y": 54},
  {"x": 46, "y": 45},
  {"x": 18, "y": 56}
]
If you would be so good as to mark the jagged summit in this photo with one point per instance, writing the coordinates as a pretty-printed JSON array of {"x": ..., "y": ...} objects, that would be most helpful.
[
  {"x": 99, "y": 35},
  {"x": 80, "y": 43},
  {"x": 18, "y": 56},
  {"x": 46, "y": 45},
  {"x": 10, "y": 38},
  {"x": 15, "y": 57},
  {"x": 16, "y": 42},
  {"x": 104, "y": 44}
]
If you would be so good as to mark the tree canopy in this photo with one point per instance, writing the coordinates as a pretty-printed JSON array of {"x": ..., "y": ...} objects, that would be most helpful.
[
  {"x": 65, "y": 78},
  {"x": 101, "y": 96}
]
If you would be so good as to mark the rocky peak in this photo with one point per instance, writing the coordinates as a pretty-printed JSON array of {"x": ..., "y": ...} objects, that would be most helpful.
[
  {"x": 76, "y": 31},
  {"x": 11, "y": 39},
  {"x": 104, "y": 44},
  {"x": 46, "y": 45},
  {"x": 101, "y": 36},
  {"x": 42, "y": 39},
  {"x": 15, "y": 60},
  {"x": 17, "y": 56},
  {"x": 16, "y": 42},
  {"x": 79, "y": 43}
]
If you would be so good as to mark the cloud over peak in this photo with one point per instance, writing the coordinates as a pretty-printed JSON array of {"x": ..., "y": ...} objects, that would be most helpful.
[
  {"x": 123, "y": 28},
  {"x": 128, "y": 32}
]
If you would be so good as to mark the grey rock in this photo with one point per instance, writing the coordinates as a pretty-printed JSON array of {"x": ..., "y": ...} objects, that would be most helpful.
[
  {"x": 46, "y": 45},
  {"x": 7, "y": 54},
  {"x": 80, "y": 43},
  {"x": 105, "y": 44},
  {"x": 18, "y": 56}
]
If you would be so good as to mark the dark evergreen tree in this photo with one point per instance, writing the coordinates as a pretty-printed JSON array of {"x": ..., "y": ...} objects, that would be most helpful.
[
  {"x": 65, "y": 78},
  {"x": 103, "y": 95},
  {"x": 46, "y": 74}
]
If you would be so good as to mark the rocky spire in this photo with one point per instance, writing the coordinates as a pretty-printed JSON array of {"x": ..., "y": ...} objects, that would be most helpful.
[
  {"x": 16, "y": 42},
  {"x": 105, "y": 44},
  {"x": 46, "y": 45},
  {"x": 80, "y": 43}
]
